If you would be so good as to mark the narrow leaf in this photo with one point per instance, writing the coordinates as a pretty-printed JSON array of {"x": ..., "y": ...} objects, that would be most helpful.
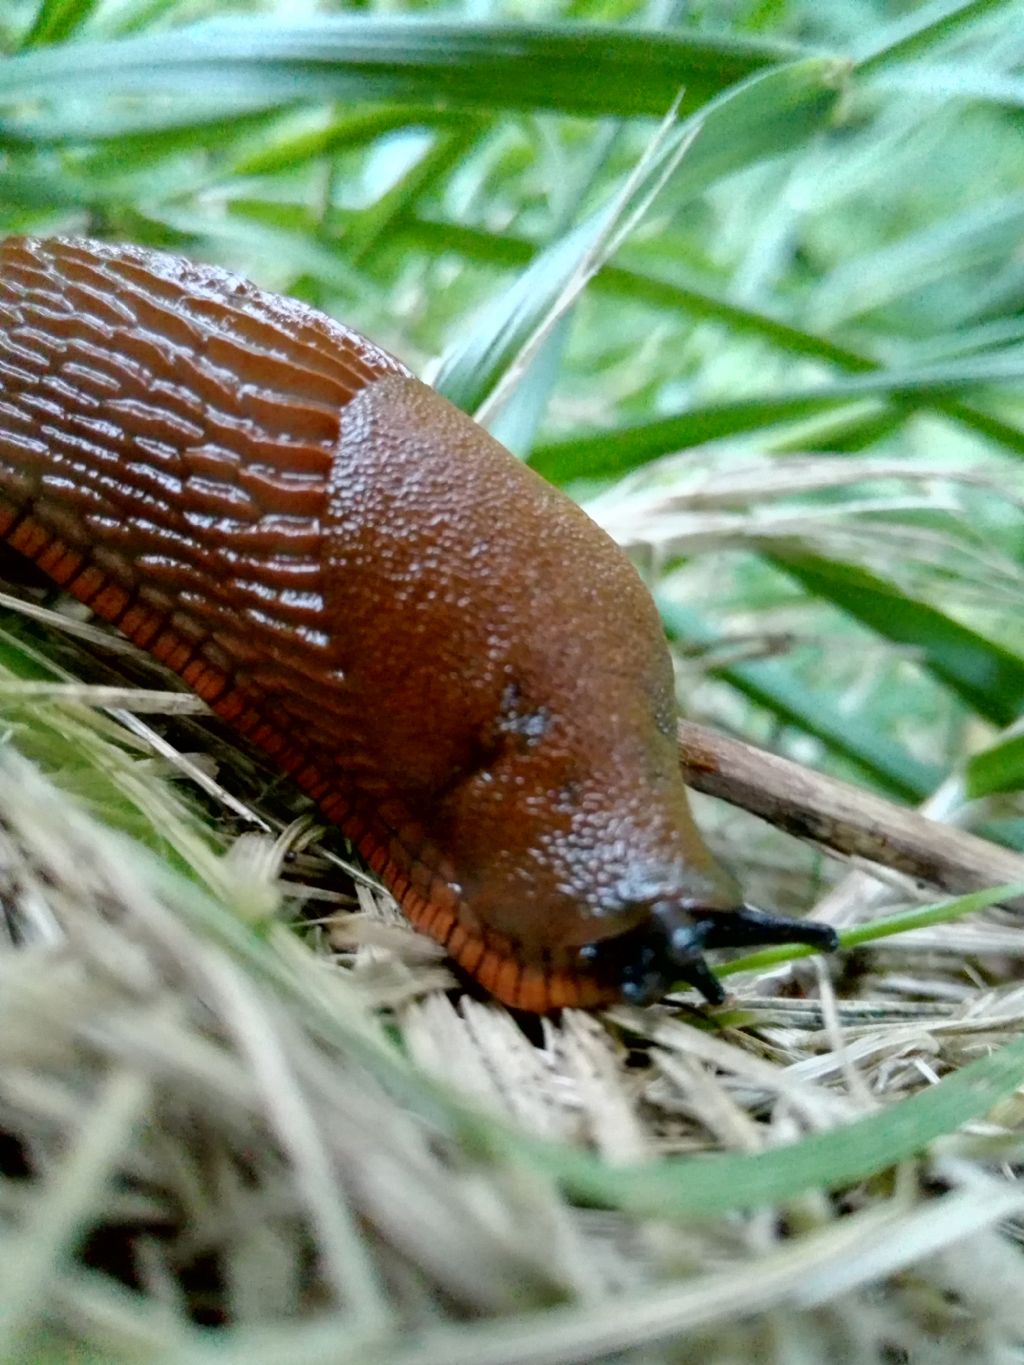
[
  {"x": 57, "y": 20},
  {"x": 476, "y": 372},
  {"x": 715, "y": 1183},
  {"x": 599, "y": 454},
  {"x": 766, "y": 114},
  {"x": 885, "y": 926},
  {"x": 701, "y": 300},
  {"x": 576, "y": 68},
  {"x": 986, "y": 675},
  {"x": 775, "y": 686},
  {"x": 999, "y": 768},
  {"x": 922, "y": 27}
]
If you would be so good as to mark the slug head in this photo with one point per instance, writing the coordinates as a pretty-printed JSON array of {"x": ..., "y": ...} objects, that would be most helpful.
[{"x": 573, "y": 838}]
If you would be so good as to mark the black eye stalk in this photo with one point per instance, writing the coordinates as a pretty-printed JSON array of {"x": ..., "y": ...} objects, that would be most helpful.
[{"x": 651, "y": 959}]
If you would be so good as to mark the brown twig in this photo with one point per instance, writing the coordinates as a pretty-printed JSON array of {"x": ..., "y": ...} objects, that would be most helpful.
[{"x": 841, "y": 816}]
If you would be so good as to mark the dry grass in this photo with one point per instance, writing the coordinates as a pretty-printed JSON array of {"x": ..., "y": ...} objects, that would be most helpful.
[{"x": 228, "y": 1142}]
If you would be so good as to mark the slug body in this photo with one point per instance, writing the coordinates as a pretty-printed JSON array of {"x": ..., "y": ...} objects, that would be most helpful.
[{"x": 461, "y": 669}]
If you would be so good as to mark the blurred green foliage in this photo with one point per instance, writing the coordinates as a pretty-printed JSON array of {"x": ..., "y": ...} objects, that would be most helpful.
[{"x": 833, "y": 267}]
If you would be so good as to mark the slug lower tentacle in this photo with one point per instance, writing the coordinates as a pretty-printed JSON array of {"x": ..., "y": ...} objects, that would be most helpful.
[{"x": 448, "y": 656}]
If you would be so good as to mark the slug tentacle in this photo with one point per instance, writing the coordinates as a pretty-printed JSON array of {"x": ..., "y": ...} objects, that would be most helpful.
[
  {"x": 670, "y": 948},
  {"x": 449, "y": 657}
]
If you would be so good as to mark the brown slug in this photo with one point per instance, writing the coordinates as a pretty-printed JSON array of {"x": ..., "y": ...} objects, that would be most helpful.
[{"x": 461, "y": 669}]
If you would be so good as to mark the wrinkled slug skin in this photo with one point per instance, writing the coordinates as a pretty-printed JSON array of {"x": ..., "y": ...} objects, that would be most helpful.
[{"x": 461, "y": 669}]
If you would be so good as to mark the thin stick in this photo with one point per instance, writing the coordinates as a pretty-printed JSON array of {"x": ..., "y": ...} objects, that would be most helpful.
[{"x": 842, "y": 817}]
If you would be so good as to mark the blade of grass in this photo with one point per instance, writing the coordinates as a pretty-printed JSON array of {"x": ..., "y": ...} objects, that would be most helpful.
[
  {"x": 57, "y": 20},
  {"x": 986, "y": 675},
  {"x": 885, "y": 926},
  {"x": 999, "y": 768},
  {"x": 956, "y": 242},
  {"x": 477, "y": 374},
  {"x": 922, "y": 27},
  {"x": 765, "y": 114},
  {"x": 136, "y": 122},
  {"x": 445, "y": 155},
  {"x": 138, "y": 16},
  {"x": 170, "y": 137},
  {"x": 943, "y": 81},
  {"x": 776, "y": 688},
  {"x": 214, "y": 234},
  {"x": 702, "y": 301},
  {"x": 690, "y": 296},
  {"x": 302, "y": 138},
  {"x": 20, "y": 190},
  {"x": 678, "y": 1187},
  {"x": 586, "y": 69},
  {"x": 522, "y": 413},
  {"x": 604, "y": 453},
  {"x": 709, "y": 1185}
]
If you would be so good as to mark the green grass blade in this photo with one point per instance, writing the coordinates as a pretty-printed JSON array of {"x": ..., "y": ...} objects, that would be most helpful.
[
  {"x": 986, "y": 675},
  {"x": 603, "y": 453},
  {"x": 480, "y": 365},
  {"x": 764, "y": 115},
  {"x": 305, "y": 138},
  {"x": 713, "y": 1184},
  {"x": 702, "y": 301},
  {"x": 57, "y": 20},
  {"x": 944, "y": 81},
  {"x": 886, "y": 926},
  {"x": 924, "y": 26},
  {"x": 673, "y": 1188},
  {"x": 21, "y": 190},
  {"x": 958, "y": 242},
  {"x": 690, "y": 296},
  {"x": 444, "y": 156},
  {"x": 774, "y": 686},
  {"x": 999, "y": 768},
  {"x": 571, "y": 68},
  {"x": 769, "y": 114},
  {"x": 139, "y": 120}
]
